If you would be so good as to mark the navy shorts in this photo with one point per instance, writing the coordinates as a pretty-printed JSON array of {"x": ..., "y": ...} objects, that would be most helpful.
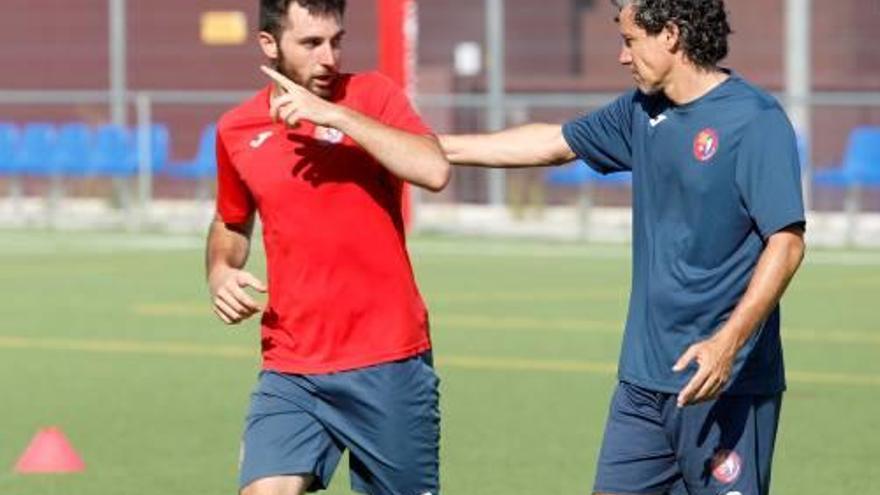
[
  {"x": 387, "y": 416},
  {"x": 653, "y": 447}
]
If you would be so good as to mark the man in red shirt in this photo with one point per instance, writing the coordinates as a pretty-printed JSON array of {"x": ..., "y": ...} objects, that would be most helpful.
[{"x": 346, "y": 346}]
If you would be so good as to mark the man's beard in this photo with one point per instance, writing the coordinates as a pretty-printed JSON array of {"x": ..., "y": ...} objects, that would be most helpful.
[{"x": 278, "y": 65}]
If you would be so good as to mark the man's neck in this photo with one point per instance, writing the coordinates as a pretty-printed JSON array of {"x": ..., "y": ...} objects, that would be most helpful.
[{"x": 689, "y": 83}]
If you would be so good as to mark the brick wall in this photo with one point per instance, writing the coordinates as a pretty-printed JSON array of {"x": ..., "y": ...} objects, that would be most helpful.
[{"x": 62, "y": 44}]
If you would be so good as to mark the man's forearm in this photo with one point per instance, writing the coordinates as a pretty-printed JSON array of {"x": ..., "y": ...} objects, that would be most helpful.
[
  {"x": 227, "y": 246},
  {"x": 716, "y": 355},
  {"x": 777, "y": 265},
  {"x": 225, "y": 256},
  {"x": 525, "y": 146},
  {"x": 414, "y": 158}
]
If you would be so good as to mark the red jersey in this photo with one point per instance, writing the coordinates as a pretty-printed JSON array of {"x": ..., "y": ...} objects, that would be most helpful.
[{"x": 341, "y": 289}]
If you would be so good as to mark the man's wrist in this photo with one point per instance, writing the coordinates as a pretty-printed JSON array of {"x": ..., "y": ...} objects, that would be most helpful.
[
  {"x": 337, "y": 117},
  {"x": 216, "y": 274},
  {"x": 729, "y": 340}
]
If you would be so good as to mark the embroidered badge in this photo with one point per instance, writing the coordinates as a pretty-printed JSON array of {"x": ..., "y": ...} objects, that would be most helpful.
[
  {"x": 706, "y": 144},
  {"x": 328, "y": 135},
  {"x": 726, "y": 466}
]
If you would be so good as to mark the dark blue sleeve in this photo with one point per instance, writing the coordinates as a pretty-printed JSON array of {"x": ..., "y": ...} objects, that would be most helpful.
[
  {"x": 603, "y": 138},
  {"x": 768, "y": 173}
]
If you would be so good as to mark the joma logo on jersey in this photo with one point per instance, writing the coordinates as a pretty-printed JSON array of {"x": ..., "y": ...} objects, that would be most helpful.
[
  {"x": 706, "y": 144},
  {"x": 260, "y": 139}
]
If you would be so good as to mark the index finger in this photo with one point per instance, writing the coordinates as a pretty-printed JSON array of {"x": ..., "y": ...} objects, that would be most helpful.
[
  {"x": 279, "y": 78},
  {"x": 685, "y": 359},
  {"x": 686, "y": 395}
]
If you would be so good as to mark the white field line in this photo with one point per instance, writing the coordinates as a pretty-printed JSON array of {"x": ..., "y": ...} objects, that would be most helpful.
[
  {"x": 482, "y": 363},
  {"x": 483, "y": 322},
  {"x": 23, "y": 243}
]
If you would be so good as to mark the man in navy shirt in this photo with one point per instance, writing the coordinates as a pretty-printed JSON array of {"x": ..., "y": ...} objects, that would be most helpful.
[{"x": 718, "y": 224}]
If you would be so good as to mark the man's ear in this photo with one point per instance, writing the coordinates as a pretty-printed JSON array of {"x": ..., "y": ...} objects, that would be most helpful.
[
  {"x": 268, "y": 44},
  {"x": 671, "y": 37}
]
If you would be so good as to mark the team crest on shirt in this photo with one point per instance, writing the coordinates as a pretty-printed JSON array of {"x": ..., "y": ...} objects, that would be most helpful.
[
  {"x": 706, "y": 144},
  {"x": 328, "y": 135},
  {"x": 726, "y": 466}
]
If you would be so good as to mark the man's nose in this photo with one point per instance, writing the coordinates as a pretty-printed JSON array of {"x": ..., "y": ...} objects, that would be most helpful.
[
  {"x": 625, "y": 57},
  {"x": 327, "y": 55}
]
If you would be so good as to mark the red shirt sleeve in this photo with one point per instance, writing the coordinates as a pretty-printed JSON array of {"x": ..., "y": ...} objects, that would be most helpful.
[
  {"x": 234, "y": 201},
  {"x": 399, "y": 113}
]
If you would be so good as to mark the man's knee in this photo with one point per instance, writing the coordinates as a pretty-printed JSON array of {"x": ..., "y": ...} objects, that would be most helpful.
[{"x": 279, "y": 485}]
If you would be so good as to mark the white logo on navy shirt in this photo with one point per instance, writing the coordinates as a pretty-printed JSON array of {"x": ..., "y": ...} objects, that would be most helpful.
[
  {"x": 657, "y": 120},
  {"x": 260, "y": 139}
]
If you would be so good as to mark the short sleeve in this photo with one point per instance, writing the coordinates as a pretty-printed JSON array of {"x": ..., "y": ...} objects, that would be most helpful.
[
  {"x": 603, "y": 138},
  {"x": 234, "y": 201},
  {"x": 397, "y": 111},
  {"x": 768, "y": 173}
]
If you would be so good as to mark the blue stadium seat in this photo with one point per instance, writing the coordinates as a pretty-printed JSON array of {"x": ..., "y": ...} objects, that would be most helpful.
[
  {"x": 34, "y": 155},
  {"x": 160, "y": 146},
  {"x": 578, "y": 173},
  {"x": 803, "y": 152},
  {"x": 861, "y": 161},
  {"x": 203, "y": 165},
  {"x": 8, "y": 146},
  {"x": 71, "y": 155},
  {"x": 113, "y": 154}
]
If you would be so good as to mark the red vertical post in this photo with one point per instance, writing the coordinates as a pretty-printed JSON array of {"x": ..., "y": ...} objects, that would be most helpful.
[
  {"x": 392, "y": 40},
  {"x": 397, "y": 38}
]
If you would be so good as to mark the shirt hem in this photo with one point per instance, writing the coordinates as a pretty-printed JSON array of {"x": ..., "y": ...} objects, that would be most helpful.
[
  {"x": 781, "y": 225},
  {"x": 667, "y": 388},
  {"x": 234, "y": 219},
  {"x": 347, "y": 365},
  {"x": 612, "y": 491}
]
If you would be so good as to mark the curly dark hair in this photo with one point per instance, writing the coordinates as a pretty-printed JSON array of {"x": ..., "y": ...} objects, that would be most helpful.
[
  {"x": 274, "y": 12},
  {"x": 702, "y": 23}
]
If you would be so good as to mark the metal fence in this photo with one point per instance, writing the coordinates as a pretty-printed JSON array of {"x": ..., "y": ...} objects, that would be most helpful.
[{"x": 482, "y": 66}]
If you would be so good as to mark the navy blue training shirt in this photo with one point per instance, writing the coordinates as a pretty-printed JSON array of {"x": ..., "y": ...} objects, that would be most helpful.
[{"x": 712, "y": 180}]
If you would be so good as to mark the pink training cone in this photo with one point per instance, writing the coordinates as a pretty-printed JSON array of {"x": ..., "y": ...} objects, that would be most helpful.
[{"x": 49, "y": 452}]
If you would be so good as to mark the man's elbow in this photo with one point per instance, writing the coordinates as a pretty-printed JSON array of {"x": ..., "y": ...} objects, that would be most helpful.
[
  {"x": 438, "y": 175},
  {"x": 798, "y": 250},
  {"x": 794, "y": 245},
  {"x": 439, "y": 178}
]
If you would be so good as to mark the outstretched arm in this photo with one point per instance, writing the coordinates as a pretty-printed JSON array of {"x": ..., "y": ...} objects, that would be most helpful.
[
  {"x": 777, "y": 265},
  {"x": 414, "y": 158},
  {"x": 225, "y": 255},
  {"x": 531, "y": 145}
]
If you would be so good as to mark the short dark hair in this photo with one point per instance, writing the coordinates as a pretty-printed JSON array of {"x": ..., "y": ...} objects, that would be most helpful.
[
  {"x": 274, "y": 12},
  {"x": 702, "y": 25}
]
